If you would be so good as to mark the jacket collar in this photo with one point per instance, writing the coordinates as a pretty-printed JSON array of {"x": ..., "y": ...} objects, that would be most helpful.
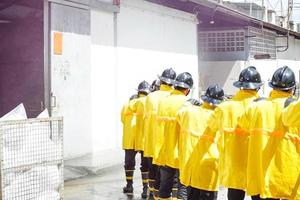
[
  {"x": 164, "y": 87},
  {"x": 244, "y": 94},
  {"x": 177, "y": 92},
  {"x": 279, "y": 94},
  {"x": 208, "y": 106}
]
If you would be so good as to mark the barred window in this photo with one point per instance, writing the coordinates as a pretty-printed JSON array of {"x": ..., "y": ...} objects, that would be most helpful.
[{"x": 222, "y": 41}]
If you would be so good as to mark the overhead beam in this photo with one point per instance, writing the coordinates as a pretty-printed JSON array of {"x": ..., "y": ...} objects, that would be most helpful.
[{"x": 235, "y": 13}]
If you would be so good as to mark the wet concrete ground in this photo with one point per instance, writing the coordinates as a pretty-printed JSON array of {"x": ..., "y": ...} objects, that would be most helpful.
[{"x": 107, "y": 185}]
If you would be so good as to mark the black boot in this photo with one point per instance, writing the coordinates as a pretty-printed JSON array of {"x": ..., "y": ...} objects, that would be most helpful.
[
  {"x": 128, "y": 189},
  {"x": 145, "y": 193},
  {"x": 145, "y": 178},
  {"x": 151, "y": 195}
]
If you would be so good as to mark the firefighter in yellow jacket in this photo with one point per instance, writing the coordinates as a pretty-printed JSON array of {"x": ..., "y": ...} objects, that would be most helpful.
[
  {"x": 188, "y": 119},
  {"x": 136, "y": 138},
  {"x": 201, "y": 169},
  {"x": 273, "y": 158},
  {"x": 166, "y": 81},
  {"x": 167, "y": 112},
  {"x": 234, "y": 141},
  {"x": 128, "y": 121},
  {"x": 291, "y": 119}
]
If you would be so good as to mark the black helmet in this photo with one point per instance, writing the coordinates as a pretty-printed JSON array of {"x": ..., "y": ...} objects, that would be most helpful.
[
  {"x": 134, "y": 96},
  {"x": 144, "y": 87},
  {"x": 213, "y": 95},
  {"x": 249, "y": 79},
  {"x": 195, "y": 102},
  {"x": 283, "y": 79},
  {"x": 184, "y": 80},
  {"x": 155, "y": 85},
  {"x": 168, "y": 76}
]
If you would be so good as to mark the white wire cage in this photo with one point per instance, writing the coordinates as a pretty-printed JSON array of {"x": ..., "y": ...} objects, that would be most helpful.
[{"x": 31, "y": 164}]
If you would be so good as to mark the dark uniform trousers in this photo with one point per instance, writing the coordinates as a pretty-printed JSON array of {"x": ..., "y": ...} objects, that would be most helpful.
[
  {"x": 154, "y": 178},
  {"x": 198, "y": 194},
  {"x": 170, "y": 185},
  {"x": 130, "y": 164},
  {"x": 235, "y": 194}
]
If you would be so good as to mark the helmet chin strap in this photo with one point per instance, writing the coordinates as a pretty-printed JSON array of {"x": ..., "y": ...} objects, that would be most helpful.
[
  {"x": 294, "y": 91},
  {"x": 186, "y": 92}
]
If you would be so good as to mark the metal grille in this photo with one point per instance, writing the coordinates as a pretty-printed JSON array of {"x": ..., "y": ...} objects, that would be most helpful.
[
  {"x": 222, "y": 41},
  {"x": 262, "y": 42},
  {"x": 32, "y": 159}
]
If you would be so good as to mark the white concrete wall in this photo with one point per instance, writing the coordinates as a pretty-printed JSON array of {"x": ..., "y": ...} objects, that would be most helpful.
[
  {"x": 151, "y": 38},
  {"x": 103, "y": 81}
]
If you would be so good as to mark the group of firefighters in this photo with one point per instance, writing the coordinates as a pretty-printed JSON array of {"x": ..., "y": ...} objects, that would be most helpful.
[{"x": 248, "y": 144}]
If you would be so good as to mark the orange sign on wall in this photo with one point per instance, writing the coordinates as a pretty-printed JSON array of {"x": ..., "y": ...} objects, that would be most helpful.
[{"x": 58, "y": 39}]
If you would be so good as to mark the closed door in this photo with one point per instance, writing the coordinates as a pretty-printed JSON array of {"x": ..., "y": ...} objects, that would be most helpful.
[{"x": 70, "y": 74}]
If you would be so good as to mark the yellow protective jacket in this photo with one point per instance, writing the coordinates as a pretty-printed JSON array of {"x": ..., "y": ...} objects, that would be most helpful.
[
  {"x": 138, "y": 108},
  {"x": 150, "y": 127},
  {"x": 190, "y": 119},
  {"x": 233, "y": 142},
  {"x": 200, "y": 167},
  {"x": 167, "y": 117},
  {"x": 274, "y": 151},
  {"x": 291, "y": 115},
  {"x": 129, "y": 125}
]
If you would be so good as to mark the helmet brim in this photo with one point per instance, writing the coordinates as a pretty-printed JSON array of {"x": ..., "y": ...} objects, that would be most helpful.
[
  {"x": 247, "y": 85},
  {"x": 166, "y": 80},
  {"x": 280, "y": 88},
  {"x": 211, "y": 100},
  {"x": 182, "y": 85},
  {"x": 144, "y": 91}
]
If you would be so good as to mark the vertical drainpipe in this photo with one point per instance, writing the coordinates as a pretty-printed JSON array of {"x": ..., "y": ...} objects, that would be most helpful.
[
  {"x": 116, "y": 74},
  {"x": 198, "y": 57},
  {"x": 47, "y": 59},
  {"x": 264, "y": 11}
]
